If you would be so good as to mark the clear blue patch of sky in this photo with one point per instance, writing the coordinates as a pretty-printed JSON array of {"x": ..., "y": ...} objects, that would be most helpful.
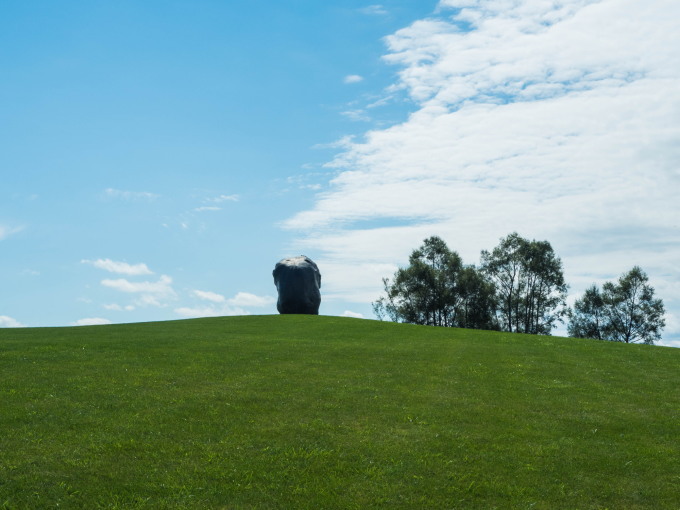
[{"x": 184, "y": 100}]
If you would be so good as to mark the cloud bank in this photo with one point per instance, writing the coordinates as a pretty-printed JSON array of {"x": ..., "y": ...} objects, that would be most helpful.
[
  {"x": 557, "y": 120},
  {"x": 9, "y": 322}
]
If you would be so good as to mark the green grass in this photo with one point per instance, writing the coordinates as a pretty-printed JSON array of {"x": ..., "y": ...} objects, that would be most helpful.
[{"x": 327, "y": 412}]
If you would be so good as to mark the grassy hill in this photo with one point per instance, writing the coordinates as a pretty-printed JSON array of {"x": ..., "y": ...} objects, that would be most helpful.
[{"x": 328, "y": 412}]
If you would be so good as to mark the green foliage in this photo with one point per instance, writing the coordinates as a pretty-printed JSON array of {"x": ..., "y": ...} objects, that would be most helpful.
[
  {"x": 625, "y": 311},
  {"x": 436, "y": 289},
  {"x": 530, "y": 286},
  {"x": 519, "y": 288},
  {"x": 477, "y": 300},
  {"x": 588, "y": 319},
  {"x": 328, "y": 412}
]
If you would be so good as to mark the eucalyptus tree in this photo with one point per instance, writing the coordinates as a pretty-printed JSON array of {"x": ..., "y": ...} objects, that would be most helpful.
[
  {"x": 529, "y": 283},
  {"x": 436, "y": 289},
  {"x": 477, "y": 300},
  {"x": 625, "y": 311},
  {"x": 587, "y": 319}
]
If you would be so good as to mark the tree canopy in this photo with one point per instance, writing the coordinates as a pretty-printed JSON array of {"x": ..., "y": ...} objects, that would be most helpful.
[
  {"x": 519, "y": 287},
  {"x": 529, "y": 282},
  {"x": 436, "y": 289},
  {"x": 625, "y": 311}
]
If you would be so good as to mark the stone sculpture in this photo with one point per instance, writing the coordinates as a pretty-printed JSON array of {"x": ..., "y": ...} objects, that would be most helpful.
[{"x": 297, "y": 280}]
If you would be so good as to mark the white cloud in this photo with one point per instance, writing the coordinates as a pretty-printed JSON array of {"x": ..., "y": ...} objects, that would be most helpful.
[
  {"x": 161, "y": 287},
  {"x": 207, "y": 208},
  {"x": 374, "y": 10},
  {"x": 147, "y": 293},
  {"x": 223, "y": 198},
  {"x": 305, "y": 181},
  {"x": 131, "y": 196},
  {"x": 670, "y": 336},
  {"x": 9, "y": 322},
  {"x": 248, "y": 300},
  {"x": 353, "y": 78},
  {"x": 209, "y": 311},
  {"x": 119, "y": 308},
  {"x": 6, "y": 231},
  {"x": 152, "y": 300},
  {"x": 238, "y": 305},
  {"x": 557, "y": 120},
  {"x": 356, "y": 115},
  {"x": 209, "y": 296},
  {"x": 119, "y": 267},
  {"x": 92, "y": 321},
  {"x": 355, "y": 315},
  {"x": 343, "y": 143}
]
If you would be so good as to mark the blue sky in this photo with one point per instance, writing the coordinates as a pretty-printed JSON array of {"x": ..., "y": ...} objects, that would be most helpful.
[{"x": 158, "y": 158}]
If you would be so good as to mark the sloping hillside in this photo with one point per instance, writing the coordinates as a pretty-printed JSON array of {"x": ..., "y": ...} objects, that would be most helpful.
[{"x": 328, "y": 412}]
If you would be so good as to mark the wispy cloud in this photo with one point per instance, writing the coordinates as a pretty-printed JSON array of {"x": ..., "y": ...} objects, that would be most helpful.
[
  {"x": 148, "y": 293},
  {"x": 161, "y": 287},
  {"x": 213, "y": 204},
  {"x": 357, "y": 115},
  {"x": 130, "y": 195},
  {"x": 119, "y": 308},
  {"x": 374, "y": 10},
  {"x": 91, "y": 321},
  {"x": 206, "y": 311},
  {"x": 205, "y": 208},
  {"x": 209, "y": 296},
  {"x": 354, "y": 315},
  {"x": 220, "y": 306},
  {"x": 6, "y": 231},
  {"x": 353, "y": 78},
  {"x": 119, "y": 267},
  {"x": 223, "y": 198},
  {"x": 555, "y": 120},
  {"x": 346, "y": 142},
  {"x": 248, "y": 300}
]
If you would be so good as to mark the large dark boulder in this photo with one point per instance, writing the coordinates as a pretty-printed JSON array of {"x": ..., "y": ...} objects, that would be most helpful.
[{"x": 298, "y": 280}]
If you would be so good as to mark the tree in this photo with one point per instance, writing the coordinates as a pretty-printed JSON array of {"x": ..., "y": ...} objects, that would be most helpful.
[
  {"x": 625, "y": 311},
  {"x": 435, "y": 289},
  {"x": 587, "y": 319},
  {"x": 529, "y": 282},
  {"x": 477, "y": 300}
]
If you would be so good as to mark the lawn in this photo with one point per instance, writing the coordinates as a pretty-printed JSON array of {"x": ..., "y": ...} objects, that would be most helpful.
[{"x": 329, "y": 412}]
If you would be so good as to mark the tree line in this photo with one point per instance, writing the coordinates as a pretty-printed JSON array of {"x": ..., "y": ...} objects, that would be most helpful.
[{"x": 518, "y": 287}]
